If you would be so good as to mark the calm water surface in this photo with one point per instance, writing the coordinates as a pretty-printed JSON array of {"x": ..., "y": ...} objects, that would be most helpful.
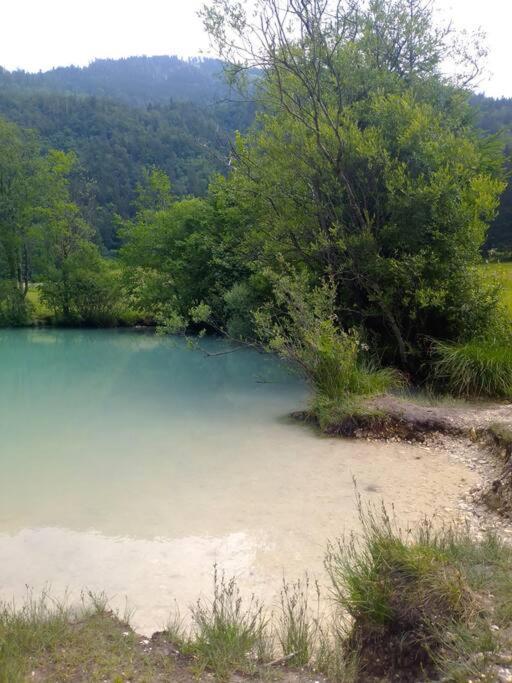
[{"x": 131, "y": 464}]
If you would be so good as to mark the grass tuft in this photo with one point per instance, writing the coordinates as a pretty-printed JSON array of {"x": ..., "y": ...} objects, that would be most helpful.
[
  {"x": 38, "y": 626},
  {"x": 297, "y": 628},
  {"x": 229, "y": 636},
  {"x": 476, "y": 369},
  {"x": 412, "y": 598}
]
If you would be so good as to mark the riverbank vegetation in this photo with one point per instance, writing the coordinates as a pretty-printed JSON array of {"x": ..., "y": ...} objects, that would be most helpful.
[
  {"x": 419, "y": 604},
  {"x": 347, "y": 234}
]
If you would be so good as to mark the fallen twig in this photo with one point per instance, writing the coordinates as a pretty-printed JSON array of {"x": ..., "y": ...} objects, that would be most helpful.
[
  {"x": 281, "y": 660},
  {"x": 220, "y": 353}
]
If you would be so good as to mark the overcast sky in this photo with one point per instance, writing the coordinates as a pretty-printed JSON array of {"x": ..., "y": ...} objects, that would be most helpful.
[{"x": 41, "y": 34}]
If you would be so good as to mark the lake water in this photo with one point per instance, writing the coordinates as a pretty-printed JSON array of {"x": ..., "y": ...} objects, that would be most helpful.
[{"x": 130, "y": 464}]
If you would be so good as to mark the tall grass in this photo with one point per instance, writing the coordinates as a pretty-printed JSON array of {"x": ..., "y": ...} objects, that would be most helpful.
[
  {"x": 481, "y": 369},
  {"x": 297, "y": 627},
  {"x": 38, "y": 626},
  {"x": 229, "y": 635},
  {"x": 414, "y": 598}
]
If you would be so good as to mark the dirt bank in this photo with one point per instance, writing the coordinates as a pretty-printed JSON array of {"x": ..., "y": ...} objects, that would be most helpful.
[{"x": 474, "y": 433}]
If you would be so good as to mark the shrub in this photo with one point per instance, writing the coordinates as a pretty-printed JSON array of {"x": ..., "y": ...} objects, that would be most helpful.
[
  {"x": 477, "y": 368},
  {"x": 307, "y": 332},
  {"x": 85, "y": 290},
  {"x": 15, "y": 310},
  {"x": 402, "y": 595}
]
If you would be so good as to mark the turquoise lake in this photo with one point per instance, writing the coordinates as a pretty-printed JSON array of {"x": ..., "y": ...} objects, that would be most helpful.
[{"x": 130, "y": 464}]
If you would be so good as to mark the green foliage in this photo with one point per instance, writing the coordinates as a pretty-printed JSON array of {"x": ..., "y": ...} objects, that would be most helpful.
[
  {"x": 403, "y": 594},
  {"x": 241, "y": 302},
  {"x": 44, "y": 237},
  {"x": 305, "y": 330},
  {"x": 30, "y": 185},
  {"x": 168, "y": 251},
  {"x": 121, "y": 117},
  {"x": 84, "y": 289},
  {"x": 477, "y": 368},
  {"x": 364, "y": 167},
  {"x": 179, "y": 254},
  {"x": 495, "y": 116},
  {"x": 501, "y": 274},
  {"x": 15, "y": 310},
  {"x": 42, "y": 232}
]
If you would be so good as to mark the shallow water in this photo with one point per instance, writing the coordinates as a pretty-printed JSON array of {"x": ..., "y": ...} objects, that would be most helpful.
[{"x": 130, "y": 464}]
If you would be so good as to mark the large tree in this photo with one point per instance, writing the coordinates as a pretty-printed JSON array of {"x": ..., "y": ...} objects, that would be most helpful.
[
  {"x": 43, "y": 235},
  {"x": 364, "y": 167}
]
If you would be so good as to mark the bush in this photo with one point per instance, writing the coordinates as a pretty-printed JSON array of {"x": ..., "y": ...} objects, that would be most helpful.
[
  {"x": 402, "y": 594},
  {"x": 479, "y": 368},
  {"x": 85, "y": 290},
  {"x": 307, "y": 333},
  {"x": 15, "y": 310}
]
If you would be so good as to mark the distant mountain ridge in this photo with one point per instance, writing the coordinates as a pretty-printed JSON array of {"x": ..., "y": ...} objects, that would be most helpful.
[
  {"x": 137, "y": 81},
  {"x": 123, "y": 116}
]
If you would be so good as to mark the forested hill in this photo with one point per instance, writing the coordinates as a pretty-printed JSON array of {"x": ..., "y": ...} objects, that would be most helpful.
[
  {"x": 123, "y": 116},
  {"x": 115, "y": 143},
  {"x": 136, "y": 80}
]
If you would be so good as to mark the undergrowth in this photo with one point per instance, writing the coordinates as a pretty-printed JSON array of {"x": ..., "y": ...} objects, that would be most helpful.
[
  {"x": 229, "y": 635},
  {"x": 429, "y": 603},
  {"x": 480, "y": 369},
  {"x": 335, "y": 361}
]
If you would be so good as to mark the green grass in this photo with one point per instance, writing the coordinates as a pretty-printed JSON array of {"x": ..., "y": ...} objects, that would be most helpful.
[
  {"x": 64, "y": 644},
  {"x": 40, "y": 311},
  {"x": 480, "y": 369},
  {"x": 422, "y": 601},
  {"x": 501, "y": 273},
  {"x": 229, "y": 635},
  {"x": 297, "y": 627},
  {"x": 342, "y": 380}
]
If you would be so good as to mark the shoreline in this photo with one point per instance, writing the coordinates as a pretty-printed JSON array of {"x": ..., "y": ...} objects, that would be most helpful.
[
  {"x": 479, "y": 435},
  {"x": 479, "y": 451}
]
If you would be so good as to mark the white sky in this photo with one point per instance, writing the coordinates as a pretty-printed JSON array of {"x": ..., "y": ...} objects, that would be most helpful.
[{"x": 41, "y": 34}]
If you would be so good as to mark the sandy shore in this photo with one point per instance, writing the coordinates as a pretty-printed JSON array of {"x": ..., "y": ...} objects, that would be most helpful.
[{"x": 270, "y": 514}]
